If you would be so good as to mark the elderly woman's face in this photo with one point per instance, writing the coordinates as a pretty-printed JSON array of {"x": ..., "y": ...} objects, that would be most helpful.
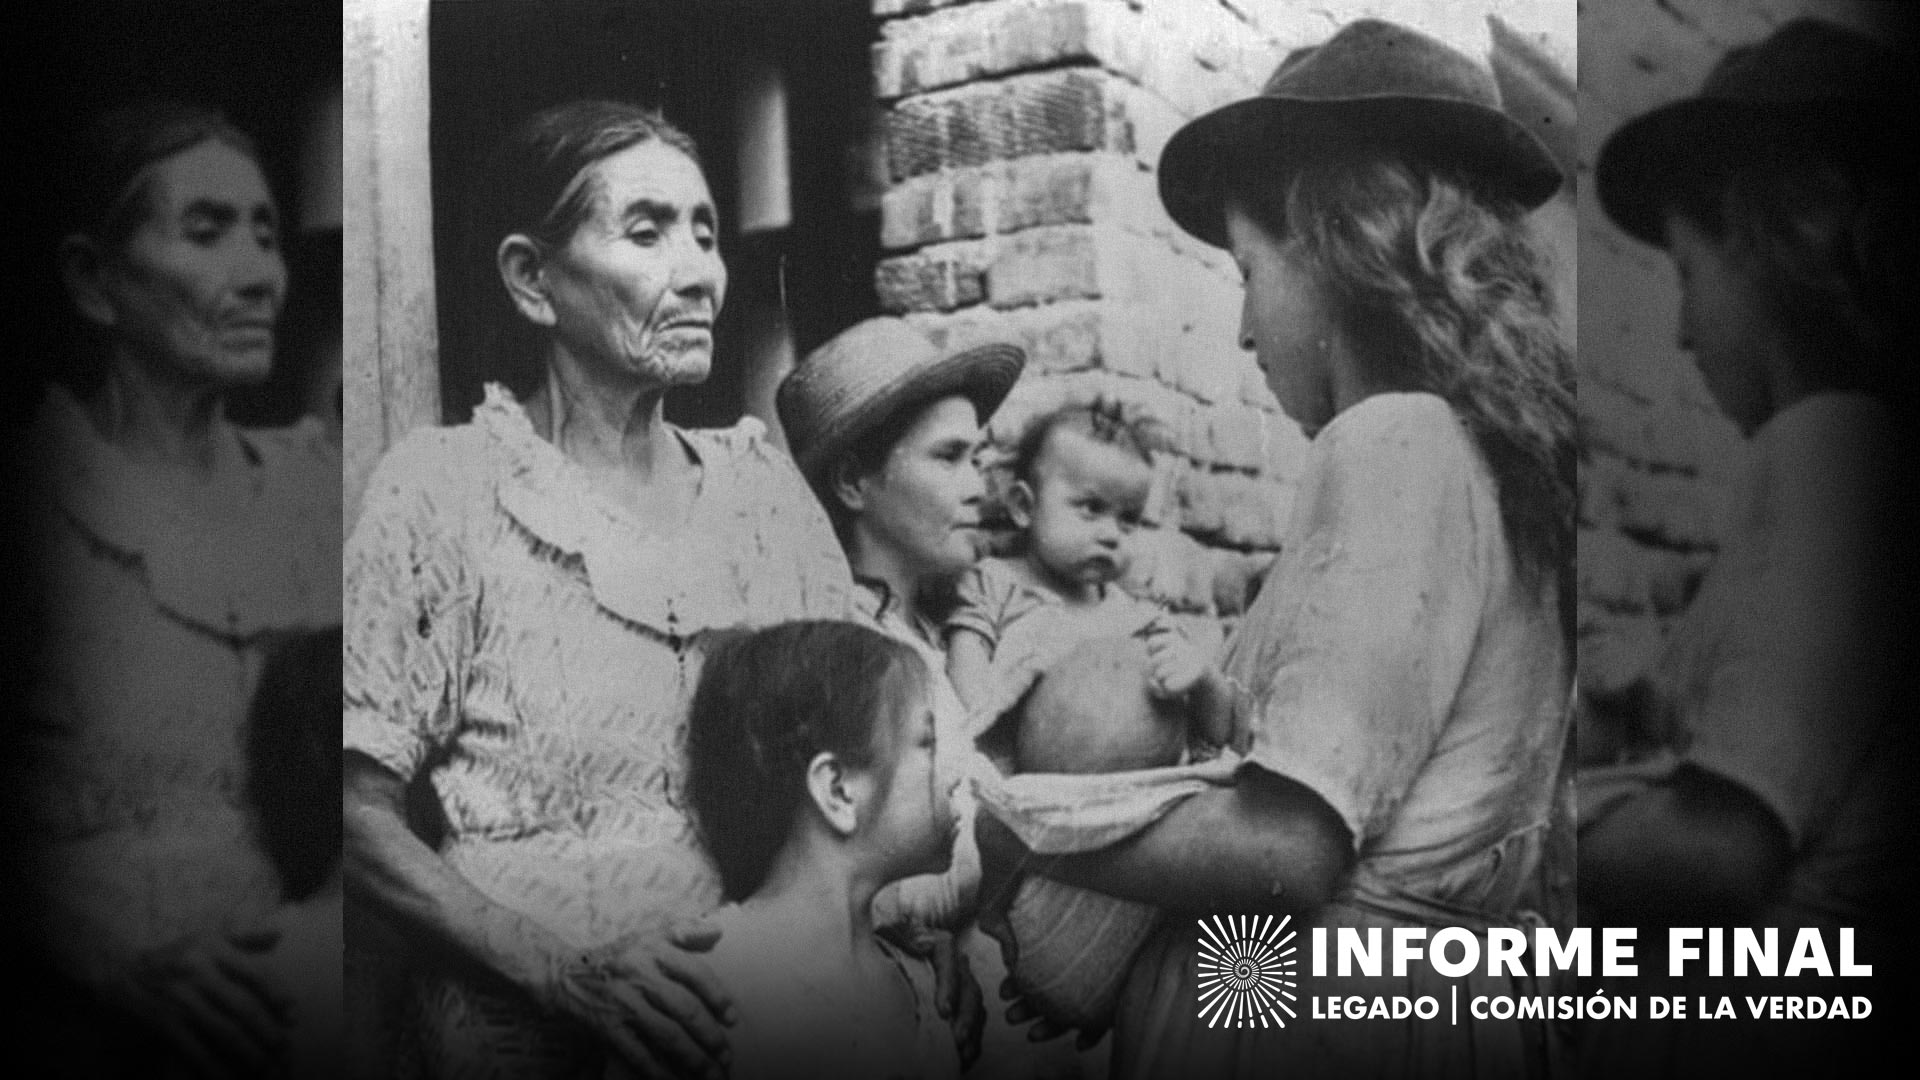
[
  {"x": 636, "y": 288},
  {"x": 1724, "y": 324},
  {"x": 198, "y": 285},
  {"x": 1288, "y": 322},
  {"x": 923, "y": 505}
]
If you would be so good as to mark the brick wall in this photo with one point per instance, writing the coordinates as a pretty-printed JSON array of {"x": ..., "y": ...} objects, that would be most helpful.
[
  {"x": 1021, "y": 138},
  {"x": 1660, "y": 458}
]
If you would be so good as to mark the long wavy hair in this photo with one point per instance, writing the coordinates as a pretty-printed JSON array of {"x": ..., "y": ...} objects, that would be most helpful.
[
  {"x": 1825, "y": 231},
  {"x": 1440, "y": 288}
]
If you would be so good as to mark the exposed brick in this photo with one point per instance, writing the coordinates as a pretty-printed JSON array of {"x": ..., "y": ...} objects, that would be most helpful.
[
  {"x": 1172, "y": 568},
  {"x": 1047, "y": 112},
  {"x": 1009, "y": 196},
  {"x": 1195, "y": 57},
  {"x": 933, "y": 208},
  {"x": 1235, "y": 509},
  {"x": 1060, "y": 337},
  {"x": 967, "y": 43},
  {"x": 1043, "y": 265},
  {"x": 936, "y": 279}
]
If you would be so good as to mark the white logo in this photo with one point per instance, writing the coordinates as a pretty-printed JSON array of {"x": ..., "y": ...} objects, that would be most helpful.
[{"x": 1247, "y": 971}]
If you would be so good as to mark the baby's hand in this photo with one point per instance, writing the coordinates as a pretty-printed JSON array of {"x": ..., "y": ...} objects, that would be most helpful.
[{"x": 1176, "y": 664}]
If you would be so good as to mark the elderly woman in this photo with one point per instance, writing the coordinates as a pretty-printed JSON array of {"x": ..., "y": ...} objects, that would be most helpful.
[
  {"x": 529, "y": 596},
  {"x": 1405, "y": 668},
  {"x": 170, "y": 551},
  {"x": 1761, "y": 788}
]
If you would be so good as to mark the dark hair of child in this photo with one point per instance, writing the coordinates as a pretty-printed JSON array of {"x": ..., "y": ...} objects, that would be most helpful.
[
  {"x": 295, "y": 758},
  {"x": 767, "y": 703},
  {"x": 1106, "y": 424}
]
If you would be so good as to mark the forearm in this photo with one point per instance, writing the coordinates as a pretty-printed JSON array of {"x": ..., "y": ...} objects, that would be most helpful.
[
  {"x": 387, "y": 867},
  {"x": 1264, "y": 844}
]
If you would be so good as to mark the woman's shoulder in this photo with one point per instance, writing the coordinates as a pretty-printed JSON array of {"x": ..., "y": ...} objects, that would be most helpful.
[
  {"x": 1414, "y": 435},
  {"x": 748, "y": 448}
]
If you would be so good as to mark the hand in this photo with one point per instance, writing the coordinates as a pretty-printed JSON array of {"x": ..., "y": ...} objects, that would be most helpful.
[
  {"x": 958, "y": 997},
  {"x": 1176, "y": 665},
  {"x": 209, "y": 995},
  {"x": 1022, "y": 1011},
  {"x": 657, "y": 1005}
]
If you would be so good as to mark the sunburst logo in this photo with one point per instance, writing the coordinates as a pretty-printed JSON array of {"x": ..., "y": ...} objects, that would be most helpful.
[{"x": 1247, "y": 971}]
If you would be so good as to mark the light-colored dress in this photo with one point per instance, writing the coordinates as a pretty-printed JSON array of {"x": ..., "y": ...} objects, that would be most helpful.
[
  {"x": 152, "y": 626},
  {"x": 1403, "y": 673},
  {"x": 795, "y": 1026},
  {"x": 1780, "y": 679},
  {"x": 529, "y": 646}
]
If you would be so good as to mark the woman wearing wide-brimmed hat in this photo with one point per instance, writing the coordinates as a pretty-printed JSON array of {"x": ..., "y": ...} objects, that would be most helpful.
[
  {"x": 1406, "y": 665},
  {"x": 1758, "y": 785}
]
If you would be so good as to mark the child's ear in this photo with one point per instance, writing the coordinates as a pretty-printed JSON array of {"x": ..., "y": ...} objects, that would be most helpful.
[
  {"x": 1020, "y": 499},
  {"x": 837, "y": 791}
]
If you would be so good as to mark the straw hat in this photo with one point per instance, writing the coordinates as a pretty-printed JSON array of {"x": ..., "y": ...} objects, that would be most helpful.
[
  {"x": 1372, "y": 83},
  {"x": 869, "y": 372},
  {"x": 1809, "y": 86}
]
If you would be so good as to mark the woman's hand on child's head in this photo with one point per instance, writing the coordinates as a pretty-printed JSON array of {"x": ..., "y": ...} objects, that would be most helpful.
[
  {"x": 658, "y": 1006},
  {"x": 1175, "y": 664}
]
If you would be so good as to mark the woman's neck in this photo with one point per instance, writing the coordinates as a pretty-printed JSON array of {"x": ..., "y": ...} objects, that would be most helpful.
[
  {"x": 875, "y": 561},
  {"x": 155, "y": 419},
  {"x": 818, "y": 890},
  {"x": 602, "y": 423}
]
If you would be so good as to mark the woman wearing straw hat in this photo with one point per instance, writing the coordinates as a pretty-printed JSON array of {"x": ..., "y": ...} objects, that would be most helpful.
[
  {"x": 1761, "y": 786},
  {"x": 887, "y": 429},
  {"x": 1407, "y": 662},
  {"x": 529, "y": 597}
]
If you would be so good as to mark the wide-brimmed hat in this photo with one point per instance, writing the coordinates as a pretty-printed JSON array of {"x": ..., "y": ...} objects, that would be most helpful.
[
  {"x": 869, "y": 372},
  {"x": 1809, "y": 86},
  {"x": 1372, "y": 83}
]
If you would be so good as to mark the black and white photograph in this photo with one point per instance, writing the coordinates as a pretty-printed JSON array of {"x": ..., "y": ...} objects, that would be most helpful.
[
  {"x": 1045, "y": 539},
  {"x": 1177, "y": 396}
]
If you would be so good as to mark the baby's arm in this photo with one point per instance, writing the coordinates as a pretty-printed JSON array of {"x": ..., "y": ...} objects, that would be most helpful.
[{"x": 1181, "y": 670}]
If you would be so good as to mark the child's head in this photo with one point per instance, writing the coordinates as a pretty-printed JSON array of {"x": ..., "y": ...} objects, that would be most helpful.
[
  {"x": 1081, "y": 478},
  {"x": 815, "y": 724}
]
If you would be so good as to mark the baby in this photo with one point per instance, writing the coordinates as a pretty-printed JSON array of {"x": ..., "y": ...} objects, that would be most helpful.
[
  {"x": 1082, "y": 478},
  {"x": 812, "y": 776}
]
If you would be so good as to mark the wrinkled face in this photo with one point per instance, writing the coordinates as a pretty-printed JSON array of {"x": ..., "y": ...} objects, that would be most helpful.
[
  {"x": 913, "y": 820},
  {"x": 1086, "y": 498},
  {"x": 637, "y": 287},
  {"x": 923, "y": 505},
  {"x": 1724, "y": 324},
  {"x": 1288, "y": 322},
  {"x": 197, "y": 288}
]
